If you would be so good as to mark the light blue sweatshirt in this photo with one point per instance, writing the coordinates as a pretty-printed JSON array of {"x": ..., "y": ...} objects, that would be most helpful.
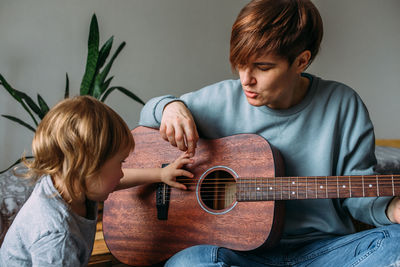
[{"x": 328, "y": 133}]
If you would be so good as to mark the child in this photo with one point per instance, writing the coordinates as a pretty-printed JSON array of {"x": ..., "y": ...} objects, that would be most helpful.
[{"x": 78, "y": 150}]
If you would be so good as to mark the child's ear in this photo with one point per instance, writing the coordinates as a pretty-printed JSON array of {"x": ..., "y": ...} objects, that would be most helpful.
[{"x": 302, "y": 60}]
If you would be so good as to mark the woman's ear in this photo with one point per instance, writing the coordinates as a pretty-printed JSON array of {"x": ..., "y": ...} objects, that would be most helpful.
[{"x": 302, "y": 61}]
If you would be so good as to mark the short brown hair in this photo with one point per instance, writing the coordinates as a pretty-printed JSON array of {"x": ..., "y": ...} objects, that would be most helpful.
[
  {"x": 74, "y": 140},
  {"x": 282, "y": 27}
]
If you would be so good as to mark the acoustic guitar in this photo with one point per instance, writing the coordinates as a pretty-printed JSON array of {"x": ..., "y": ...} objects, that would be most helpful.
[{"x": 233, "y": 201}]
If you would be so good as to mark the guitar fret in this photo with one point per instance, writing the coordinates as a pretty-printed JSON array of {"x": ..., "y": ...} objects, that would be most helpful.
[
  {"x": 306, "y": 187},
  {"x": 269, "y": 189},
  {"x": 350, "y": 185},
  {"x": 316, "y": 189},
  {"x": 326, "y": 186},
  {"x": 251, "y": 189},
  {"x": 377, "y": 185},
  {"x": 337, "y": 186},
  {"x": 293, "y": 189},
  {"x": 392, "y": 185},
  {"x": 256, "y": 188},
  {"x": 248, "y": 191},
  {"x": 363, "y": 188}
]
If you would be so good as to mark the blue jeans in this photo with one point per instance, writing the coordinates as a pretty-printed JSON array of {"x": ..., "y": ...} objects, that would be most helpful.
[{"x": 375, "y": 247}]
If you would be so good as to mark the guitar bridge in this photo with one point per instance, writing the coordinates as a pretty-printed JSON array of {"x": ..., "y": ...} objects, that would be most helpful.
[{"x": 162, "y": 199}]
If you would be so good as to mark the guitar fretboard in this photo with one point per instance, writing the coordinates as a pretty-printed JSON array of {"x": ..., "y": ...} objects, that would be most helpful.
[{"x": 316, "y": 187}]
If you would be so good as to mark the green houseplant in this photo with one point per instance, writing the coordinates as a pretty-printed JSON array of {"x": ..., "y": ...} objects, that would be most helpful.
[{"x": 95, "y": 81}]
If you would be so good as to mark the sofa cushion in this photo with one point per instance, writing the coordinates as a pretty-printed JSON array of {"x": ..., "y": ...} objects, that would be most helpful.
[
  {"x": 388, "y": 160},
  {"x": 14, "y": 191}
]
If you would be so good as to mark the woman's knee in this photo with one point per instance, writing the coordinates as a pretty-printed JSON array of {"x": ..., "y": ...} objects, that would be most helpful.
[
  {"x": 194, "y": 256},
  {"x": 393, "y": 230}
]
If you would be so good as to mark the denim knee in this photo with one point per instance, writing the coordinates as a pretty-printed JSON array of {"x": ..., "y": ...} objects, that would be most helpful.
[
  {"x": 388, "y": 252},
  {"x": 201, "y": 255}
]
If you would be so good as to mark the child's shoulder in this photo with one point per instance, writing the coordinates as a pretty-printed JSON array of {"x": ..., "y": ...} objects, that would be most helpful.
[
  {"x": 46, "y": 223},
  {"x": 44, "y": 209},
  {"x": 42, "y": 216}
]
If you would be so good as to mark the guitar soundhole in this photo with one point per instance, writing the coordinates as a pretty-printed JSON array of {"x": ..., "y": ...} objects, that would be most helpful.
[{"x": 218, "y": 190}]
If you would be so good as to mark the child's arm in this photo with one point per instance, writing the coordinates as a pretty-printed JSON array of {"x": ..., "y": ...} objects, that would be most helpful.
[{"x": 134, "y": 177}]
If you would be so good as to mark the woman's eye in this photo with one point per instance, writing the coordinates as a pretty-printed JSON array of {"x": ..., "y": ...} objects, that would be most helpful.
[{"x": 263, "y": 68}]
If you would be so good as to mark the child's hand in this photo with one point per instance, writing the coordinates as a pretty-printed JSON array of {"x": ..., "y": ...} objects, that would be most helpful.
[{"x": 169, "y": 173}]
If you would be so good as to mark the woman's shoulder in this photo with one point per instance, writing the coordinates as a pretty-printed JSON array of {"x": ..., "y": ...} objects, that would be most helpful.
[
  {"x": 224, "y": 85},
  {"x": 328, "y": 86},
  {"x": 219, "y": 91}
]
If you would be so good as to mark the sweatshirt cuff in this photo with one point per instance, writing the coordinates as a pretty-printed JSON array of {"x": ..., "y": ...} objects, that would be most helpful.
[
  {"x": 379, "y": 207},
  {"x": 160, "y": 105}
]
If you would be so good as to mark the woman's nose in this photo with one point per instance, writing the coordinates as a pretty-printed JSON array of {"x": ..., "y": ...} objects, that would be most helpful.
[{"x": 247, "y": 77}]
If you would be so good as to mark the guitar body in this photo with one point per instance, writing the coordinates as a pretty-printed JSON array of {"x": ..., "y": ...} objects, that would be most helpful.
[{"x": 136, "y": 236}]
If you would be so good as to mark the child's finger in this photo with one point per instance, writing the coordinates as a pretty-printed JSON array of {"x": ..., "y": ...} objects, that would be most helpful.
[
  {"x": 186, "y": 154},
  {"x": 180, "y": 162},
  {"x": 185, "y": 173},
  {"x": 177, "y": 185}
]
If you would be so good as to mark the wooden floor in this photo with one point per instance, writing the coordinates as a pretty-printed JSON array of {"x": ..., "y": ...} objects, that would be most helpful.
[{"x": 101, "y": 256}]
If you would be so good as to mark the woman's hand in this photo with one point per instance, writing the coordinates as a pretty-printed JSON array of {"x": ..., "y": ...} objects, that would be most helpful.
[
  {"x": 170, "y": 172},
  {"x": 393, "y": 210},
  {"x": 178, "y": 127}
]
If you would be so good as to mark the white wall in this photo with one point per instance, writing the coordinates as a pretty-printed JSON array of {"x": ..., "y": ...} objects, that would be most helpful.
[
  {"x": 361, "y": 48},
  {"x": 177, "y": 46}
]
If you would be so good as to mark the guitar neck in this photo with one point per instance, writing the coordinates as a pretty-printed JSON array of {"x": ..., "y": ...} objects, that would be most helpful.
[{"x": 316, "y": 187}]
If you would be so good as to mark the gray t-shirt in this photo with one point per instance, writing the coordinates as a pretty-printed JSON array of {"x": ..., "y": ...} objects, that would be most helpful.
[{"x": 46, "y": 232}]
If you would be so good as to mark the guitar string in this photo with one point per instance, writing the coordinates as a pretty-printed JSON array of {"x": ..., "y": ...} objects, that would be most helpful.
[
  {"x": 331, "y": 192},
  {"x": 321, "y": 179}
]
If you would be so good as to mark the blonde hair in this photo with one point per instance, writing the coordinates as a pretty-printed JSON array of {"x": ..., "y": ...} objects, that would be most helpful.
[{"x": 74, "y": 140}]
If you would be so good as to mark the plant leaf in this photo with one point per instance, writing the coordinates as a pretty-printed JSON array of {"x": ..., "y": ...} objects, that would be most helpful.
[
  {"x": 28, "y": 100},
  {"x": 20, "y": 122},
  {"x": 124, "y": 91},
  {"x": 98, "y": 90},
  {"x": 92, "y": 57},
  {"x": 104, "y": 52},
  {"x": 103, "y": 75},
  {"x": 10, "y": 90},
  {"x": 106, "y": 84},
  {"x": 66, "y": 93},
  {"x": 43, "y": 106},
  {"x": 17, "y": 96}
]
